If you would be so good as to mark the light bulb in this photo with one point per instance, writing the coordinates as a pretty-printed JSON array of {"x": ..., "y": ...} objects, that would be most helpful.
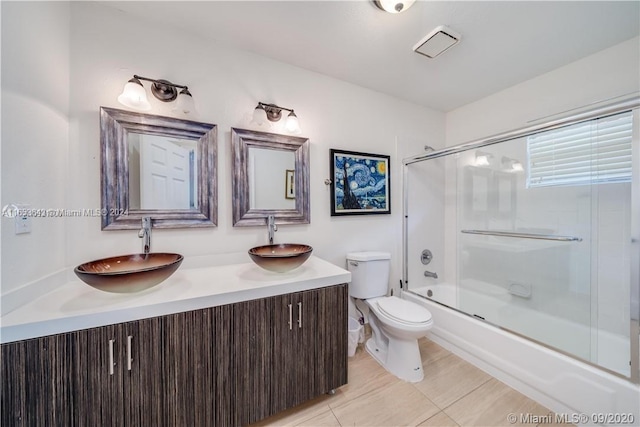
[
  {"x": 134, "y": 96},
  {"x": 259, "y": 116},
  {"x": 185, "y": 103},
  {"x": 292, "y": 125}
]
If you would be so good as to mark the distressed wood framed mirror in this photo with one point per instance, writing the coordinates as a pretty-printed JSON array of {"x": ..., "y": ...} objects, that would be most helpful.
[
  {"x": 159, "y": 167},
  {"x": 270, "y": 177}
]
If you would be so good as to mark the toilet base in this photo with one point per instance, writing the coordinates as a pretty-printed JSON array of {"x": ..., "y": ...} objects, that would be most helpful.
[{"x": 403, "y": 360}]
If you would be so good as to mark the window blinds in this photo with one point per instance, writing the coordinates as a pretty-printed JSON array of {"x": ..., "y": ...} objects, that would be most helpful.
[{"x": 591, "y": 152}]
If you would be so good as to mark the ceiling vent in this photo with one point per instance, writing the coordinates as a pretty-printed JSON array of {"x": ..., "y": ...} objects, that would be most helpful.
[{"x": 437, "y": 41}]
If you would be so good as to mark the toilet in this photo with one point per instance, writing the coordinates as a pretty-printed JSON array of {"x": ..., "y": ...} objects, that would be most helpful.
[{"x": 396, "y": 324}]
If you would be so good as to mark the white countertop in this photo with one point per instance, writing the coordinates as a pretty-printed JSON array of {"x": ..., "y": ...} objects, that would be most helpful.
[{"x": 75, "y": 305}]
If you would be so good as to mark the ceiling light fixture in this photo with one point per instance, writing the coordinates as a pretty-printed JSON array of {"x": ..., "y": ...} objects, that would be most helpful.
[
  {"x": 265, "y": 113},
  {"x": 394, "y": 6},
  {"x": 134, "y": 95}
]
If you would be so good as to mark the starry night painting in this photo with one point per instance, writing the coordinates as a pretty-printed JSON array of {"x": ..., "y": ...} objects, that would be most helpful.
[{"x": 360, "y": 183}]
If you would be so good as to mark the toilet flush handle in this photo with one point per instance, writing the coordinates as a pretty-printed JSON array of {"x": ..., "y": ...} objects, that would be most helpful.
[{"x": 353, "y": 263}]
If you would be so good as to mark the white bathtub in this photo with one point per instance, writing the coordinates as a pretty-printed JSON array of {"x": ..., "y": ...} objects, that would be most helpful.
[
  {"x": 604, "y": 348},
  {"x": 562, "y": 383}
]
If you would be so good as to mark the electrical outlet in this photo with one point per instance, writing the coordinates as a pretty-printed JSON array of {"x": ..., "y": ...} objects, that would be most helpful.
[{"x": 22, "y": 222}]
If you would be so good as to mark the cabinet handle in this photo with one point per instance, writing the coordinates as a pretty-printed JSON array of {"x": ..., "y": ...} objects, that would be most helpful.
[
  {"x": 129, "y": 359},
  {"x": 290, "y": 317},
  {"x": 111, "y": 362},
  {"x": 299, "y": 315}
]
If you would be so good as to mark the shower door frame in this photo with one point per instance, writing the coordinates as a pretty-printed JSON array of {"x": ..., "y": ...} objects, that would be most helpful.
[{"x": 631, "y": 103}]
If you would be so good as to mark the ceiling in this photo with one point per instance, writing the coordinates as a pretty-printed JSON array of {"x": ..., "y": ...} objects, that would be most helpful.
[{"x": 503, "y": 43}]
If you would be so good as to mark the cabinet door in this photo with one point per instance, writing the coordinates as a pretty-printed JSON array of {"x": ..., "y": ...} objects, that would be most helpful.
[
  {"x": 98, "y": 381},
  {"x": 331, "y": 321},
  {"x": 257, "y": 389},
  {"x": 189, "y": 369},
  {"x": 300, "y": 358},
  {"x": 320, "y": 351},
  {"x": 37, "y": 381},
  {"x": 140, "y": 360}
]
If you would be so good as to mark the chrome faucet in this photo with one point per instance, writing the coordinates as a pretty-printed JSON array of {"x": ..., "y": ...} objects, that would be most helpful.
[
  {"x": 271, "y": 224},
  {"x": 430, "y": 274},
  {"x": 145, "y": 234}
]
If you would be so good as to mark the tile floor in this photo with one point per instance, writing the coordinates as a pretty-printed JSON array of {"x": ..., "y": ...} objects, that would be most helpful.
[{"x": 453, "y": 393}]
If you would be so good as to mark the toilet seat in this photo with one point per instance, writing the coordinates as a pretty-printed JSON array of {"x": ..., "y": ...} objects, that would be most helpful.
[{"x": 402, "y": 311}]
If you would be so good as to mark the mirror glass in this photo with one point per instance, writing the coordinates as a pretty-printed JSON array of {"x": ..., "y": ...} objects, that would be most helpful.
[
  {"x": 270, "y": 177},
  {"x": 158, "y": 167},
  {"x": 162, "y": 172}
]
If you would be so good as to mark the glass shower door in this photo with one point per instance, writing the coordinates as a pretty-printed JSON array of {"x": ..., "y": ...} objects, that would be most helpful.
[{"x": 524, "y": 254}]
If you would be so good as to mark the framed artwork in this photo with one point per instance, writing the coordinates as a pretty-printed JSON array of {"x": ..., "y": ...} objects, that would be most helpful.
[
  {"x": 289, "y": 185},
  {"x": 360, "y": 183}
]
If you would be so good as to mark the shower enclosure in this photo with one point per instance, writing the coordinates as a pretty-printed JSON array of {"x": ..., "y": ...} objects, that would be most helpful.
[{"x": 536, "y": 232}]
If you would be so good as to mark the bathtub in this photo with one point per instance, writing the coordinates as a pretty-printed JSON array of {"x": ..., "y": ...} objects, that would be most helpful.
[
  {"x": 557, "y": 381},
  {"x": 609, "y": 350}
]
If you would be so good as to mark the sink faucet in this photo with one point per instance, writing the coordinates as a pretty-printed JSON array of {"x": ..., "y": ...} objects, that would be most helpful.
[
  {"x": 430, "y": 274},
  {"x": 145, "y": 234},
  {"x": 271, "y": 224}
]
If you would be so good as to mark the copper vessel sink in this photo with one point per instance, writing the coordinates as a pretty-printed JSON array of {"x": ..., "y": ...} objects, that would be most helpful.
[
  {"x": 129, "y": 273},
  {"x": 280, "y": 258}
]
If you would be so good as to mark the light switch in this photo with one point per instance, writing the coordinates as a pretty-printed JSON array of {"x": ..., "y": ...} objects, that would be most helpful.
[{"x": 22, "y": 220}]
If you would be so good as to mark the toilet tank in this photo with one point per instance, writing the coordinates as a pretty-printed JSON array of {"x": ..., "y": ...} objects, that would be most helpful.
[{"x": 369, "y": 274}]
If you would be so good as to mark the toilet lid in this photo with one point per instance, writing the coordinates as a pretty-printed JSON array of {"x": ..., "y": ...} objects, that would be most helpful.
[{"x": 403, "y": 311}]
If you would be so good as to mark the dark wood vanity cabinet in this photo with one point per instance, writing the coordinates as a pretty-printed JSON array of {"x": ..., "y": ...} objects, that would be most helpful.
[
  {"x": 294, "y": 349},
  {"x": 227, "y": 365}
]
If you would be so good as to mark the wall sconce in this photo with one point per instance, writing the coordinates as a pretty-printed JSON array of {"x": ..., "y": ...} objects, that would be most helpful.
[
  {"x": 134, "y": 95},
  {"x": 264, "y": 113},
  {"x": 512, "y": 165},
  {"x": 394, "y": 6},
  {"x": 482, "y": 158}
]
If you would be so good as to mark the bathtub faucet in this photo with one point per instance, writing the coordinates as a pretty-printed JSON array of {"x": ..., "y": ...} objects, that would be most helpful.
[{"x": 430, "y": 274}]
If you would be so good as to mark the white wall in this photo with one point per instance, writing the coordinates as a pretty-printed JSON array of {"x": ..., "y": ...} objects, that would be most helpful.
[
  {"x": 35, "y": 134},
  {"x": 108, "y": 47},
  {"x": 607, "y": 74}
]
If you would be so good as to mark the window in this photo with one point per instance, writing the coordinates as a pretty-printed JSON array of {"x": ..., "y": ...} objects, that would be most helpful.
[{"x": 591, "y": 152}]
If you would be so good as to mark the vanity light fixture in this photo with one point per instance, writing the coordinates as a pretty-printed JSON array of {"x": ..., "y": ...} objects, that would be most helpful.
[
  {"x": 394, "y": 6},
  {"x": 265, "y": 113},
  {"x": 482, "y": 158},
  {"x": 512, "y": 165},
  {"x": 134, "y": 95}
]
